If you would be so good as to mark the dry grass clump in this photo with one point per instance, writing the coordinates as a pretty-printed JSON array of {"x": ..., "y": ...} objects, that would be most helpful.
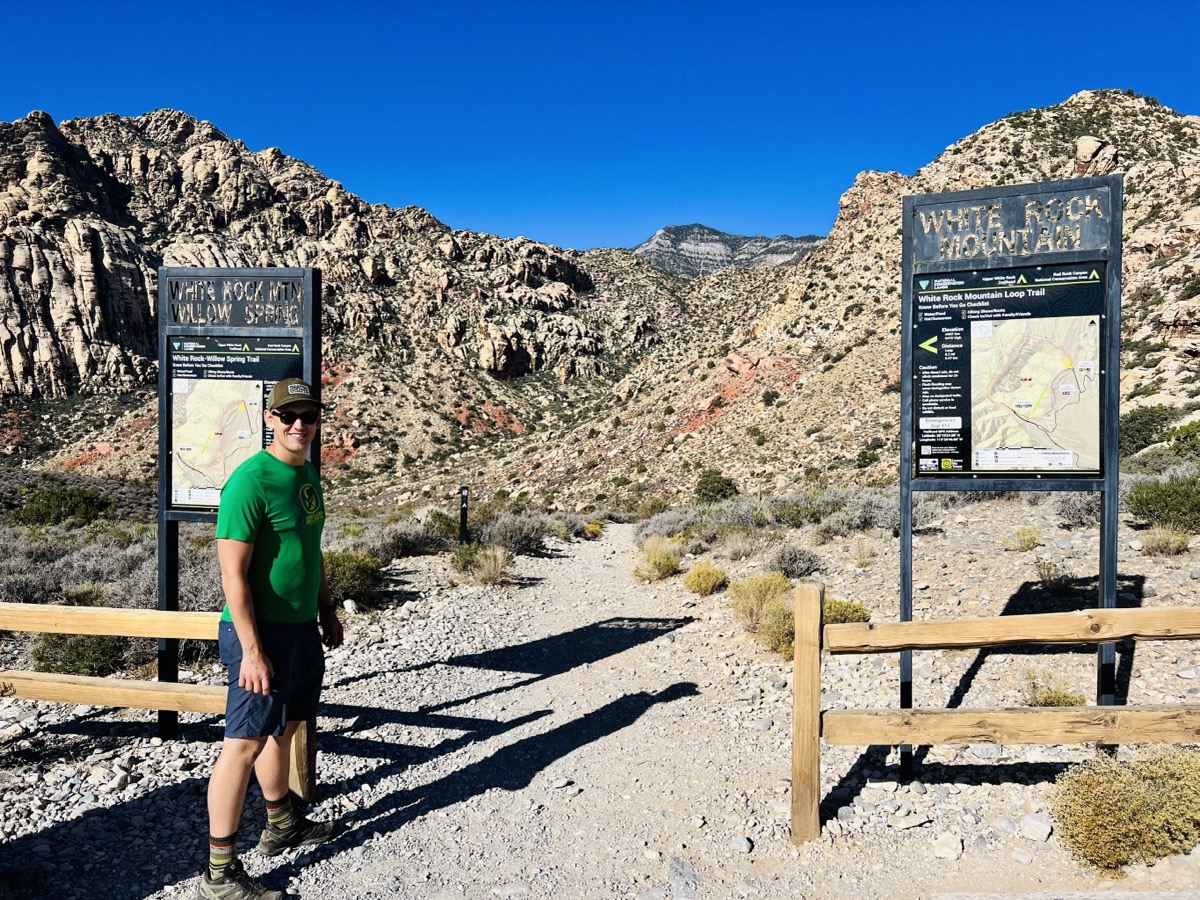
[
  {"x": 660, "y": 558},
  {"x": 749, "y": 597},
  {"x": 735, "y": 544},
  {"x": 862, "y": 552},
  {"x": 1041, "y": 688},
  {"x": 1054, "y": 577},
  {"x": 1162, "y": 540},
  {"x": 704, "y": 578},
  {"x": 836, "y": 611},
  {"x": 1111, "y": 813},
  {"x": 593, "y": 529},
  {"x": 491, "y": 564},
  {"x": 1026, "y": 538}
]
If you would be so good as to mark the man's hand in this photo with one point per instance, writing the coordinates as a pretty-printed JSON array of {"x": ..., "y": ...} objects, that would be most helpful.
[
  {"x": 255, "y": 673},
  {"x": 332, "y": 634}
]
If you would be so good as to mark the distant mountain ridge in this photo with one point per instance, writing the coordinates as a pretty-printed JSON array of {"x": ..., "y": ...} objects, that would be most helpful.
[{"x": 695, "y": 250}]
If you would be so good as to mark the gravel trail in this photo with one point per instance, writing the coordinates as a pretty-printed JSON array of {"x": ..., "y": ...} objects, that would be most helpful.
[{"x": 574, "y": 734}]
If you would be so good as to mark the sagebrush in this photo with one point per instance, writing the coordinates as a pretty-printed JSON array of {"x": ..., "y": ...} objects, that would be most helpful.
[{"x": 1111, "y": 813}]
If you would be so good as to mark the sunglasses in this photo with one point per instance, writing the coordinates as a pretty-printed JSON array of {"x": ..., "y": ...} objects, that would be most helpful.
[{"x": 288, "y": 418}]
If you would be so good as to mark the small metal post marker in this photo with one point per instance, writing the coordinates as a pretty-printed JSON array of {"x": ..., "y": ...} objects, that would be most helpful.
[{"x": 464, "y": 494}]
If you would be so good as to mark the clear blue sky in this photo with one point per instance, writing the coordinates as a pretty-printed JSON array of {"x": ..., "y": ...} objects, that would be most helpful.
[{"x": 589, "y": 124}]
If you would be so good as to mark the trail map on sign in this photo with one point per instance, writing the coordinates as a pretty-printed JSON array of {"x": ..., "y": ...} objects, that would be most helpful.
[
  {"x": 1006, "y": 370},
  {"x": 217, "y": 426},
  {"x": 1035, "y": 396}
]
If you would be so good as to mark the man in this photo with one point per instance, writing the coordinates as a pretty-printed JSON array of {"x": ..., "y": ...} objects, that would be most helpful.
[{"x": 277, "y": 608}]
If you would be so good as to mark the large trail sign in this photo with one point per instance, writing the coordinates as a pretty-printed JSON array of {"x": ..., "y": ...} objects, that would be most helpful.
[
  {"x": 1010, "y": 358},
  {"x": 1012, "y": 297}
]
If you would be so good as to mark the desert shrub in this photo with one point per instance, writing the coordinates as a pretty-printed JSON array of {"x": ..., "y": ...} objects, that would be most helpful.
[
  {"x": 56, "y": 505},
  {"x": 1111, "y": 813},
  {"x": 491, "y": 564},
  {"x": 808, "y": 508},
  {"x": 1040, "y": 688},
  {"x": 651, "y": 506},
  {"x": 1025, "y": 538},
  {"x": 1054, "y": 576},
  {"x": 1144, "y": 426},
  {"x": 442, "y": 524},
  {"x": 835, "y": 611},
  {"x": 593, "y": 529},
  {"x": 735, "y": 544},
  {"x": 1078, "y": 509},
  {"x": 352, "y": 576},
  {"x": 849, "y": 519},
  {"x": 669, "y": 523},
  {"x": 1185, "y": 440},
  {"x": 80, "y": 654},
  {"x": 713, "y": 487},
  {"x": 660, "y": 559},
  {"x": 518, "y": 532},
  {"x": 1163, "y": 541},
  {"x": 462, "y": 559},
  {"x": 1155, "y": 462},
  {"x": 777, "y": 630},
  {"x": 769, "y": 396},
  {"x": 748, "y": 598},
  {"x": 704, "y": 578},
  {"x": 794, "y": 560},
  {"x": 36, "y": 585},
  {"x": 740, "y": 512},
  {"x": 1174, "y": 502},
  {"x": 862, "y": 552}
]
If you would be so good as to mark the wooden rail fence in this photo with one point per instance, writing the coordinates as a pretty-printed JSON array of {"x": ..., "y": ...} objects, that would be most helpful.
[
  {"x": 1043, "y": 725},
  {"x": 120, "y": 692}
]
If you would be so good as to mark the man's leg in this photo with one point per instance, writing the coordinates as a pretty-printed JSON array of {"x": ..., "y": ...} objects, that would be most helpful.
[
  {"x": 286, "y": 828},
  {"x": 227, "y": 797}
]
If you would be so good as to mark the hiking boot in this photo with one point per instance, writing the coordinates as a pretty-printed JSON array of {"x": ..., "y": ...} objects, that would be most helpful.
[
  {"x": 303, "y": 833},
  {"x": 235, "y": 883}
]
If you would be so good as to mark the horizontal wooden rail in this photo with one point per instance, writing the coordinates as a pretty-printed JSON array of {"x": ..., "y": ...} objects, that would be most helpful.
[
  {"x": 55, "y": 688},
  {"x": 1093, "y": 626},
  {"x": 146, "y": 623},
  {"x": 1043, "y": 725}
]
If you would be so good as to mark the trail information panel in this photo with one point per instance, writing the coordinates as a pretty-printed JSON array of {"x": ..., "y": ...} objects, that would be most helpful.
[
  {"x": 226, "y": 336},
  {"x": 1006, "y": 369},
  {"x": 218, "y": 388}
]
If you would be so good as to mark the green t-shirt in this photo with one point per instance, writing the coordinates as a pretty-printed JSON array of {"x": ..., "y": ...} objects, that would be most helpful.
[{"x": 279, "y": 508}]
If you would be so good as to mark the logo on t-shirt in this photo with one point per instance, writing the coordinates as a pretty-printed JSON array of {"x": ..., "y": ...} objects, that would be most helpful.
[{"x": 311, "y": 501}]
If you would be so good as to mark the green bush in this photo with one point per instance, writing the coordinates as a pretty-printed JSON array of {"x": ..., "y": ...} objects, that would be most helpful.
[
  {"x": 352, "y": 576},
  {"x": 55, "y": 505},
  {"x": 704, "y": 578},
  {"x": 1110, "y": 813},
  {"x": 463, "y": 558},
  {"x": 1185, "y": 440},
  {"x": 80, "y": 654},
  {"x": 713, "y": 487},
  {"x": 769, "y": 396},
  {"x": 1144, "y": 426},
  {"x": 1174, "y": 502}
]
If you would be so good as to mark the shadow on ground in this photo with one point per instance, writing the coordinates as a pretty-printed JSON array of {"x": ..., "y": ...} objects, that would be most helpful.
[{"x": 158, "y": 838}]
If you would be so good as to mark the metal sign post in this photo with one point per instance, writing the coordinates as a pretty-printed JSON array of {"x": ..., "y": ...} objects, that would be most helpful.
[
  {"x": 1010, "y": 358},
  {"x": 225, "y": 337}
]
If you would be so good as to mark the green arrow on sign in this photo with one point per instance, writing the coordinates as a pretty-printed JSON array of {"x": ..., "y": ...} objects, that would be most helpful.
[{"x": 929, "y": 344}]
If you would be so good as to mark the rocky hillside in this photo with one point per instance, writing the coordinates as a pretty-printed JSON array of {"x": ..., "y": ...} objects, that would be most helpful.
[
  {"x": 454, "y": 357},
  {"x": 695, "y": 250}
]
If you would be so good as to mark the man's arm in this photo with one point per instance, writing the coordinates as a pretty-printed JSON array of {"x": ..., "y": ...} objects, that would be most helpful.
[
  {"x": 234, "y": 558},
  {"x": 331, "y": 625}
]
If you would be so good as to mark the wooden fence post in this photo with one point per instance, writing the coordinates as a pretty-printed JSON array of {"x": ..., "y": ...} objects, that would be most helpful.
[{"x": 806, "y": 713}]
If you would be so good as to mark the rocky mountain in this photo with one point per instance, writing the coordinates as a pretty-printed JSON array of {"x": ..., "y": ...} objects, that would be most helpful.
[
  {"x": 695, "y": 250},
  {"x": 458, "y": 358}
]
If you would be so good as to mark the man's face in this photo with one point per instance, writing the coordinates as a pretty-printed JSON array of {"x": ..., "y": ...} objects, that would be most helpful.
[{"x": 290, "y": 425}]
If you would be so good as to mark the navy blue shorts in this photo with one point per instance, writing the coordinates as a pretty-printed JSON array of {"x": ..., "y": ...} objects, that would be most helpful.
[{"x": 298, "y": 659}]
